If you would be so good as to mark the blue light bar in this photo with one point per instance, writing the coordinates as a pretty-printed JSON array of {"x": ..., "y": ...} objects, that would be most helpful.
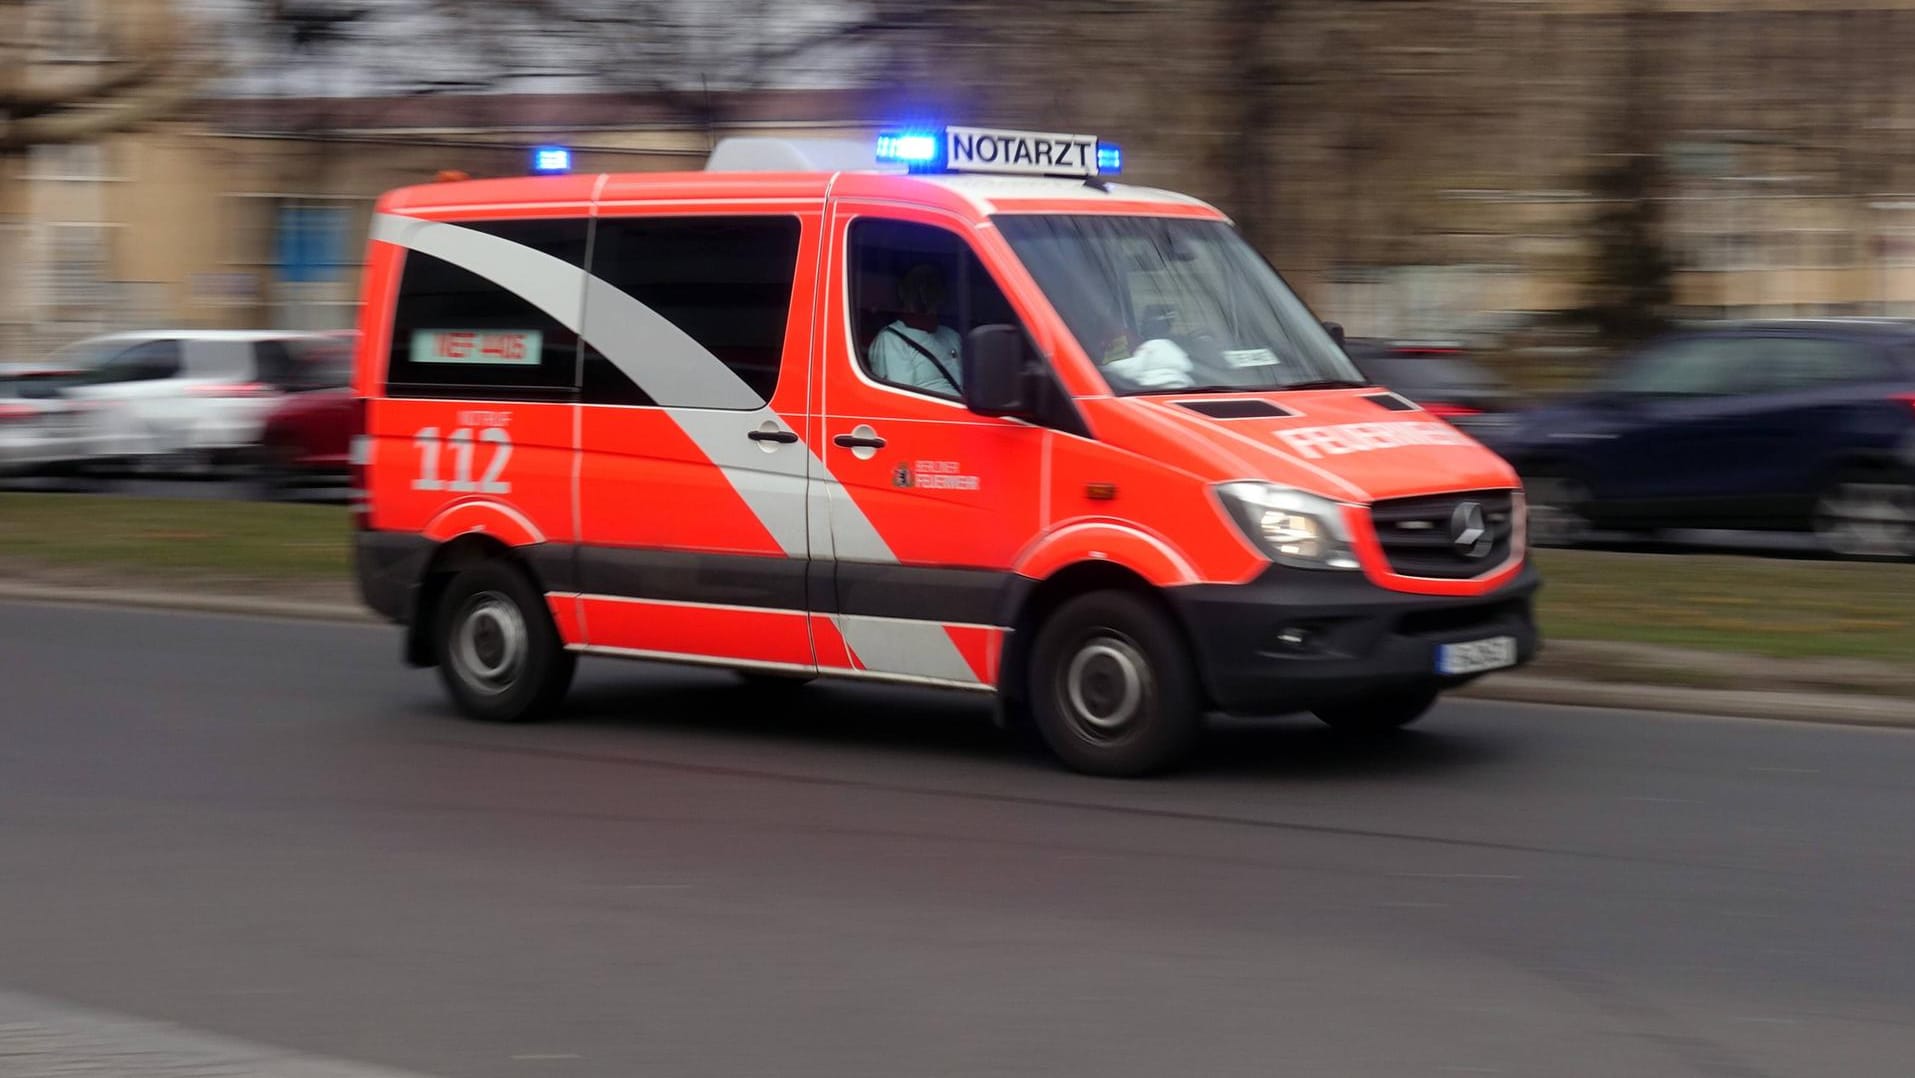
[
  {"x": 551, "y": 160},
  {"x": 916, "y": 150},
  {"x": 1110, "y": 158}
]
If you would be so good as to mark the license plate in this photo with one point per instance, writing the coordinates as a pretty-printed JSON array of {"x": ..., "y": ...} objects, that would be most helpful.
[{"x": 1476, "y": 656}]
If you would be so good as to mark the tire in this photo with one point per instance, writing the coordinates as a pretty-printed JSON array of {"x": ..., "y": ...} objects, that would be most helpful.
[
  {"x": 1864, "y": 515},
  {"x": 1380, "y": 713},
  {"x": 270, "y": 474},
  {"x": 1558, "y": 510},
  {"x": 499, "y": 653},
  {"x": 1112, "y": 688}
]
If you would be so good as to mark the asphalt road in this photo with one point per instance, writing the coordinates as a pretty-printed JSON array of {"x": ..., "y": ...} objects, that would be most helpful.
[{"x": 270, "y": 834}]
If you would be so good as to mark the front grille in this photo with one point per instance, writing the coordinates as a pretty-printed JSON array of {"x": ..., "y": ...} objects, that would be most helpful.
[{"x": 1420, "y": 535}]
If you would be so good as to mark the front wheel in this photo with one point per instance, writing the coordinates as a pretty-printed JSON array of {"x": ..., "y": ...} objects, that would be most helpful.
[
  {"x": 1866, "y": 516},
  {"x": 499, "y": 653},
  {"x": 1380, "y": 712},
  {"x": 1113, "y": 690},
  {"x": 1558, "y": 510}
]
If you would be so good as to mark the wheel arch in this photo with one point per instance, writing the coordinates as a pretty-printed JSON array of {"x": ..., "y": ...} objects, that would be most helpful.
[
  {"x": 1041, "y": 598},
  {"x": 447, "y": 560}
]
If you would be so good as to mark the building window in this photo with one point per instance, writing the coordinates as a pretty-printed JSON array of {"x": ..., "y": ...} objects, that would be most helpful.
[
  {"x": 69, "y": 31},
  {"x": 76, "y": 268},
  {"x": 73, "y": 162}
]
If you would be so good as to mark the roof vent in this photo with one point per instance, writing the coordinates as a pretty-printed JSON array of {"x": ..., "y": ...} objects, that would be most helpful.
[
  {"x": 795, "y": 155},
  {"x": 1249, "y": 408}
]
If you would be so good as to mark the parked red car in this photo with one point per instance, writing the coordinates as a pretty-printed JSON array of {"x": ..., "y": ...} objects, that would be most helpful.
[{"x": 308, "y": 439}]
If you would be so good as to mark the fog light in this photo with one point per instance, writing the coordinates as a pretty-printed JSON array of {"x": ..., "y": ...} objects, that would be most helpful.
[{"x": 1294, "y": 638}]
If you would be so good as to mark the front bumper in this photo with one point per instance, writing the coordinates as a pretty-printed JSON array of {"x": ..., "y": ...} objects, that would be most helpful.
[{"x": 1357, "y": 639}]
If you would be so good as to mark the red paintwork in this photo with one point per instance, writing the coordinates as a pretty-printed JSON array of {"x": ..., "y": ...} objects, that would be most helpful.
[{"x": 315, "y": 429}]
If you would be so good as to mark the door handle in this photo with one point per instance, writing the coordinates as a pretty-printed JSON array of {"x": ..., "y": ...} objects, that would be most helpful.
[
  {"x": 782, "y": 437},
  {"x": 855, "y": 441}
]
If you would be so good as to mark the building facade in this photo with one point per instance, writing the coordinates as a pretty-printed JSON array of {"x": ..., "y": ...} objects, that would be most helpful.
[{"x": 1423, "y": 169}]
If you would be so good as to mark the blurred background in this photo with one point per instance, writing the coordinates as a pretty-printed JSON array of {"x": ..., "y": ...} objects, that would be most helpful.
[
  {"x": 1522, "y": 174},
  {"x": 1658, "y": 253},
  {"x": 1502, "y": 201},
  {"x": 1513, "y": 173}
]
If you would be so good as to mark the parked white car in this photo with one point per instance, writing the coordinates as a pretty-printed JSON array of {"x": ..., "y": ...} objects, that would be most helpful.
[
  {"x": 198, "y": 396},
  {"x": 42, "y": 429}
]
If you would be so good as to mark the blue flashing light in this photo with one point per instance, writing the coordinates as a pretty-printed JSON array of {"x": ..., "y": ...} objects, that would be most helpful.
[
  {"x": 551, "y": 160},
  {"x": 916, "y": 150},
  {"x": 1110, "y": 158}
]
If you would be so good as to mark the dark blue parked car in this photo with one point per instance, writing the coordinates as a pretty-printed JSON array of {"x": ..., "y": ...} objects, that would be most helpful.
[{"x": 1801, "y": 425}]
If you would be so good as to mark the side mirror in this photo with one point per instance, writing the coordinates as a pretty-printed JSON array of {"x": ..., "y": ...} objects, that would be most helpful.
[
  {"x": 996, "y": 359},
  {"x": 1335, "y": 329}
]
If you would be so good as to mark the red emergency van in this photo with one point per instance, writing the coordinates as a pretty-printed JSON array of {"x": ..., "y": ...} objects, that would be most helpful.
[{"x": 955, "y": 410}]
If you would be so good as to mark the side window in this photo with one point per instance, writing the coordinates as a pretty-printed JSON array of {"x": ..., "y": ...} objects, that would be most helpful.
[
  {"x": 456, "y": 333},
  {"x": 272, "y": 364},
  {"x": 916, "y": 293},
  {"x": 1797, "y": 363},
  {"x": 724, "y": 282},
  {"x": 149, "y": 361},
  {"x": 1693, "y": 367},
  {"x": 320, "y": 363}
]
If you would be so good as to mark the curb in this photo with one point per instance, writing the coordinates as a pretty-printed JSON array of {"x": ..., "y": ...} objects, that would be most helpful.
[
  {"x": 1833, "y": 708},
  {"x": 199, "y": 604}
]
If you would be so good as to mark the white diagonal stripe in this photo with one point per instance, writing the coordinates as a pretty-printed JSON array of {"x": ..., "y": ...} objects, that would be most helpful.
[{"x": 715, "y": 409}]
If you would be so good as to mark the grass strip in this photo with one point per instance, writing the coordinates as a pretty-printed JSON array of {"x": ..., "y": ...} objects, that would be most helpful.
[{"x": 1783, "y": 607}]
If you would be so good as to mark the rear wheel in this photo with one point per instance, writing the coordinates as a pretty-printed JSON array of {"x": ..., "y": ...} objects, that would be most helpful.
[
  {"x": 271, "y": 473},
  {"x": 1867, "y": 516},
  {"x": 1381, "y": 712},
  {"x": 499, "y": 653},
  {"x": 1112, "y": 688}
]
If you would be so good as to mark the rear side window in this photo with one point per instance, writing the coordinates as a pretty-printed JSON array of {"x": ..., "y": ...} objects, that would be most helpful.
[
  {"x": 273, "y": 363},
  {"x": 725, "y": 282},
  {"x": 319, "y": 363},
  {"x": 1692, "y": 367},
  {"x": 1794, "y": 363},
  {"x": 457, "y": 333},
  {"x": 149, "y": 361}
]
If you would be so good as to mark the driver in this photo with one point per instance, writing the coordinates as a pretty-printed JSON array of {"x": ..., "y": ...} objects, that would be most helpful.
[{"x": 916, "y": 350}]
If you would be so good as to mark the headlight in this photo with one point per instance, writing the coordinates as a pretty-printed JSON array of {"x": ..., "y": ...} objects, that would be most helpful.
[{"x": 1289, "y": 526}]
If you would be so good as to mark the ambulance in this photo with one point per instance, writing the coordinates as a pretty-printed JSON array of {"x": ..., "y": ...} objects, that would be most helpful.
[{"x": 953, "y": 408}]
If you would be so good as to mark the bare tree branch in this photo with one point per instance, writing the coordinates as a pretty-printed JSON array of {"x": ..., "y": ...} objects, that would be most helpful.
[{"x": 151, "y": 76}]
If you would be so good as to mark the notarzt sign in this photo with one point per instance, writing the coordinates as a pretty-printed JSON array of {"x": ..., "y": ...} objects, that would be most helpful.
[{"x": 977, "y": 149}]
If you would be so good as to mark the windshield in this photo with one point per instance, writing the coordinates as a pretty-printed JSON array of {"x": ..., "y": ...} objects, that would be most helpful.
[{"x": 1168, "y": 305}]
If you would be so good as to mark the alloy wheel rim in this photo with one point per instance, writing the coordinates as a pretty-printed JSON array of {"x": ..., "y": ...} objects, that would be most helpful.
[
  {"x": 1555, "y": 514},
  {"x": 1867, "y": 519},
  {"x": 490, "y": 643},
  {"x": 1105, "y": 685}
]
